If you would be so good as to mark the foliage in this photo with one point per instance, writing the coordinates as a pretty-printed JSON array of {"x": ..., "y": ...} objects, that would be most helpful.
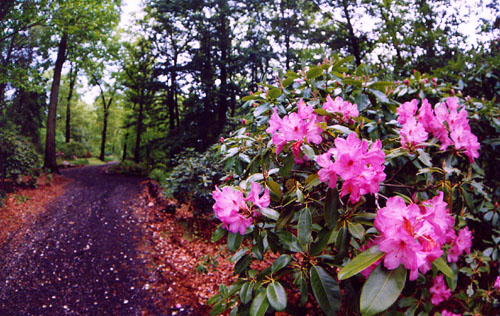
[
  {"x": 72, "y": 149},
  {"x": 193, "y": 178},
  {"x": 326, "y": 227},
  {"x": 130, "y": 168},
  {"x": 18, "y": 156}
]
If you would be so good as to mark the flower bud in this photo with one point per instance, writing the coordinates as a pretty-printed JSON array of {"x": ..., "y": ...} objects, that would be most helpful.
[{"x": 406, "y": 82}]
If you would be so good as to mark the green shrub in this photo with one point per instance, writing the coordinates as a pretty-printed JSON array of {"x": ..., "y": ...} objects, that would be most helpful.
[
  {"x": 73, "y": 148},
  {"x": 130, "y": 168},
  {"x": 158, "y": 175},
  {"x": 17, "y": 156},
  {"x": 194, "y": 178}
]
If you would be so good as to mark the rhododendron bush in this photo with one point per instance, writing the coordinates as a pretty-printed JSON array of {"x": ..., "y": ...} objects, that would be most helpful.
[{"x": 363, "y": 195}]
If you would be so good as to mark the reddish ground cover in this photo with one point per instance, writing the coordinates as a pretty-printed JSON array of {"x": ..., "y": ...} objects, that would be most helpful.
[{"x": 22, "y": 206}]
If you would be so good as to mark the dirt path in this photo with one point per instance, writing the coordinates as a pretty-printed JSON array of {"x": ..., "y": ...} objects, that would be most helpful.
[{"x": 80, "y": 257}]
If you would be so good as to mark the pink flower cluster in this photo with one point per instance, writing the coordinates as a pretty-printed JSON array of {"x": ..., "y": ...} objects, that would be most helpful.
[
  {"x": 497, "y": 283},
  {"x": 446, "y": 313},
  {"x": 413, "y": 235},
  {"x": 439, "y": 290},
  {"x": 445, "y": 122},
  {"x": 346, "y": 108},
  {"x": 234, "y": 210},
  {"x": 296, "y": 127},
  {"x": 360, "y": 165}
]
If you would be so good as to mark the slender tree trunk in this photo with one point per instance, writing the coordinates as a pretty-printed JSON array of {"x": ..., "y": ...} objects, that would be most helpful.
[
  {"x": 50, "y": 142},
  {"x": 224, "y": 60},
  {"x": 138, "y": 133},
  {"x": 124, "y": 156},
  {"x": 352, "y": 37},
  {"x": 103, "y": 137},
  {"x": 72, "y": 80}
]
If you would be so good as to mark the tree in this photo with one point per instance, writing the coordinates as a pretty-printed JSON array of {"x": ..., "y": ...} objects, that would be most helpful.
[{"x": 77, "y": 22}]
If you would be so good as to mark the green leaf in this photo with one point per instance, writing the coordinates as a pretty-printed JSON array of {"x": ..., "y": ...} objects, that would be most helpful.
[
  {"x": 275, "y": 188},
  {"x": 320, "y": 245},
  {"x": 234, "y": 241},
  {"x": 274, "y": 93},
  {"x": 281, "y": 262},
  {"x": 249, "y": 97},
  {"x": 331, "y": 207},
  {"x": 287, "y": 82},
  {"x": 291, "y": 74},
  {"x": 276, "y": 296},
  {"x": 270, "y": 213},
  {"x": 259, "y": 305},
  {"x": 441, "y": 265},
  {"x": 314, "y": 72},
  {"x": 356, "y": 230},
  {"x": 308, "y": 151},
  {"x": 290, "y": 242},
  {"x": 305, "y": 227},
  {"x": 246, "y": 292},
  {"x": 325, "y": 289},
  {"x": 242, "y": 264},
  {"x": 424, "y": 157},
  {"x": 360, "y": 262},
  {"x": 218, "y": 233},
  {"x": 381, "y": 289}
]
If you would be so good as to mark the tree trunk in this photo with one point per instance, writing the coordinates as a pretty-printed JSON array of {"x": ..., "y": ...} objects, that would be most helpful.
[
  {"x": 103, "y": 138},
  {"x": 138, "y": 133},
  {"x": 224, "y": 60},
  {"x": 72, "y": 80},
  {"x": 124, "y": 156},
  {"x": 50, "y": 141},
  {"x": 352, "y": 37}
]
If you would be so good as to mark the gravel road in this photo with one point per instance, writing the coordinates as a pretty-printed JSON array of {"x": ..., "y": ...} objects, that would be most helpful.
[{"x": 79, "y": 257}]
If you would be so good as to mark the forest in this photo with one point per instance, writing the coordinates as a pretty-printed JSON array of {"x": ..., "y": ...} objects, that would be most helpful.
[{"x": 309, "y": 133}]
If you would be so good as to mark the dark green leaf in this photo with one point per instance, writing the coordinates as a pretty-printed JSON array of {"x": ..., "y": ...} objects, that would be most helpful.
[
  {"x": 381, "y": 289},
  {"x": 246, "y": 292},
  {"x": 276, "y": 296},
  {"x": 325, "y": 289},
  {"x": 304, "y": 227},
  {"x": 259, "y": 305},
  {"x": 290, "y": 242},
  {"x": 320, "y": 245},
  {"x": 270, "y": 213},
  {"x": 331, "y": 207},
  {"x": 242, "y": 264},
  {"x": 234, "y": 241},
  {"x": 218, "y": 233},
  {"x": 281, "y": 262},
  {"x": 360, "y": 262}
]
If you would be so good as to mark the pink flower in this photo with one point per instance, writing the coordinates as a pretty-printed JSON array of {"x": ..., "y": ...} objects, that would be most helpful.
[
  {"x": 232, "y": 210},
  {"x": 295, "y": 127},
  {"x": 327, "y": 172},
  {"x": 446, "y": 313},
  {"x": 407, "y": 110},
  {"x": 359, "y": 166},
  {"x": 413, "y": 235},
  {"x": 439, "y": 290},
  {"x": 456, "y": 132},
  {"x": 497, "y": 283},
  {"x": 346, "y": 108},
  {"x": 412, "y": 134},
  {"x": 254, "y": 198},
  {"x": 462, "y": 243}
]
